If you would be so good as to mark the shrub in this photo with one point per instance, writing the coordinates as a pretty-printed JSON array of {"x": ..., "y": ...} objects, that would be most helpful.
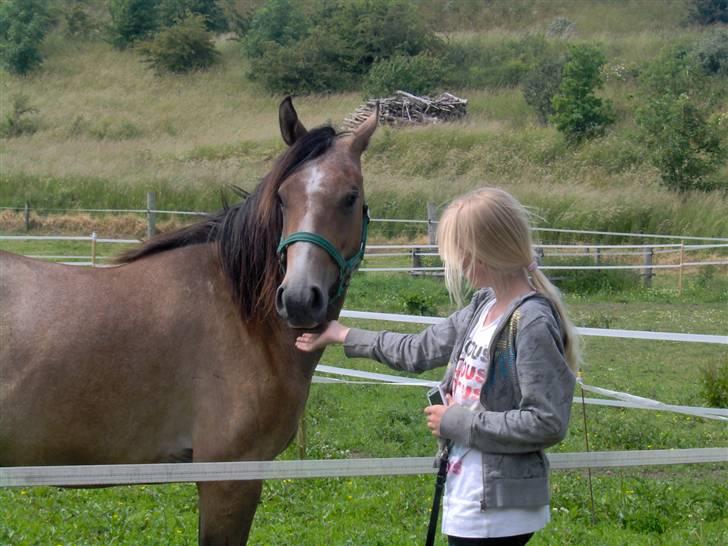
[
  {"x": 419, "y": 75},
  {"x": 131, "y": 21},
  {"x": 684, "y": 143},
  {"x": 578, "y": 112},
  {"x": 712, "y": 52},
  {"x": 23, "y": 26},
  {"x": 715, "y": 385},
  {"x": 18, "y": 122},
  {"x": 562, "y": 28},
  {"x": 474, "y": 63},
  {"x": 172, "y": 12},
  {"x": 330, "y": 46},
  {"x": 183, "y": 47},
  {"x": 540, "y": 86},
  {"x": 78, "y": 23},
  {"x": 707, "y": 12}
]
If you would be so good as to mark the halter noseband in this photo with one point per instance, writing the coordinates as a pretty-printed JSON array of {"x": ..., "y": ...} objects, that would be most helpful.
[{"x": 346, "y": 267}]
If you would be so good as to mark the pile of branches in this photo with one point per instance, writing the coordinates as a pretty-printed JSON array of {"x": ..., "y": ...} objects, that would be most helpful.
[{"x": 406, "y": 109}]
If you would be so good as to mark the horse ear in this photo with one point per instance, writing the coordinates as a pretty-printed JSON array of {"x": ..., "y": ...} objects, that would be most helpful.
[
  {"x": 364, "y": 132},
  {"x": 291, "y": 128}
]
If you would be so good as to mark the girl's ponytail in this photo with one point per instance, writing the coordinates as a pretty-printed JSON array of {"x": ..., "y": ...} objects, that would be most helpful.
[{"x": 571, "y": 339}]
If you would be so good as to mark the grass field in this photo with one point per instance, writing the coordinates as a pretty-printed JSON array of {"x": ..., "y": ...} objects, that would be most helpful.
[{"x": 653, "y": 505}]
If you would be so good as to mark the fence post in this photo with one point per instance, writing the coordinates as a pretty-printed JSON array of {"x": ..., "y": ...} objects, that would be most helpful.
[
  {"x": 682, "y": 261},
  {"x": 598, "y": 257},
  {"x": 93, "y": 249},
  {"x": 416, "y": 261},
  {"x": 151, "y": 216},
  {"x": 540, "y": 255},
  {"x": 647, "y": 272},
  {"x": 26, "y": 214},
  {"x": 301, "y": 437},
  {"x": 432, "y": 223}
]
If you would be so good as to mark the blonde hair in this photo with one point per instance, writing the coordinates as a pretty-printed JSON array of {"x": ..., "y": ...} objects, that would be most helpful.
[{"x": 491, "y": 227}]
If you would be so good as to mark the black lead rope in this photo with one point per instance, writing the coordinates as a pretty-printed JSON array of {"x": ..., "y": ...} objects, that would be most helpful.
[{"x": 439, "y": 486}]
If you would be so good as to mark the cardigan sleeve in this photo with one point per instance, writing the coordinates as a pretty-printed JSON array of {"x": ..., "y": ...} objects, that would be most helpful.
[{"x": 411, "y": 352}]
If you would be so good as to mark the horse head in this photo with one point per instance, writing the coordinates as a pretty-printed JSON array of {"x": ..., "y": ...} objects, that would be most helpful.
[{"x": 324, "y": 222}]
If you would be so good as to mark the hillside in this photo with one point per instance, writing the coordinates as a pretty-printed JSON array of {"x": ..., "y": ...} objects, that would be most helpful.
[{"x": 108, "y": 130}]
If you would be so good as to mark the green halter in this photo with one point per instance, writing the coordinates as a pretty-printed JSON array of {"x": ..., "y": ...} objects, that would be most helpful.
[{"x": 346, "y": 267}]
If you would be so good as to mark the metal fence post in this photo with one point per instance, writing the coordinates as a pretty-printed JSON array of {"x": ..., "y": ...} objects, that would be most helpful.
[
  {"x": 151, "y": 215},
  {"x": 647, "y": 272},
  {"x": 432, "y": 223}
]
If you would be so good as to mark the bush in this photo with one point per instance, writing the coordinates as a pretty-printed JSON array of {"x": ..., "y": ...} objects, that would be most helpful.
[
  {"x": 330, "y": 46},
  {"x": 712, "y": 52},
  {"x": 540, "y": 86},
  {"x": 78, "y": 23},
  {"x": 17, "y": 122},
  {"x": 561, "y": 27},
  {"x": 132, "y": 21},
  {"x": 707, "y": 12},
  {"x": 715, "y": 385},
  {"x": 23, "y": 26},
  {"x": 181, "y": 48},
  {"x": 578, "y": 112},
  {"x": 419, "y": 75},
  {"x": 172, "y": 12},
  {"x": 476, "y": 64},
  {"x": 685, "y": 143}
]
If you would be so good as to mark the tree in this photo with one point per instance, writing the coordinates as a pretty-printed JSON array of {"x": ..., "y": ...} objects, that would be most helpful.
[
  {"x": 540, "y": 86},
  {"x": 181, "y": 48},
  {"x": 578, "y": 112},
  {"x": 684, "y": 142},
  {"x": 23, "y": 26},
  {"x": 329, "y": 46},
  {"x": 131, "y": 21},
  {"x": 173, "y": 11},
  {"x": 708, "y": 12}
]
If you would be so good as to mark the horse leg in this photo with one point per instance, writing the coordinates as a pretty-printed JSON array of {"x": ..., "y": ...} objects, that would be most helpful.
[{"x": 226, "y": 511}]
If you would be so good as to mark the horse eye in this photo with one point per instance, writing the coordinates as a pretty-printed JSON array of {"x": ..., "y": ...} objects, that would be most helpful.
[{"x": 350, "y": 199}]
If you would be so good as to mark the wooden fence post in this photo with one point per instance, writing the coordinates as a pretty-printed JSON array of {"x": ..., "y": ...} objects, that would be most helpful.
[
  {"x": 647, "y": 272},
  {"x": 26, "y": 214},
  {"x": 93, "y": 249},
  {"x": 301, "y": 436},
  {"x": 432, "y": 223},
  {"x": 151, "y": 215},
  {"x": 416, "y": 260},
  {"x": 682, "y": 261}
]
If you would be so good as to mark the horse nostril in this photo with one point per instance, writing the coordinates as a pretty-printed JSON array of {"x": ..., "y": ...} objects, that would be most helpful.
[
  {"x": 317, "y": 298},
  {"x": 280, "y": 307}
]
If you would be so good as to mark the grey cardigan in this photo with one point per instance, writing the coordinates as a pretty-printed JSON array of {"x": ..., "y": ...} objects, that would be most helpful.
[{"x": 525, "y": 401}]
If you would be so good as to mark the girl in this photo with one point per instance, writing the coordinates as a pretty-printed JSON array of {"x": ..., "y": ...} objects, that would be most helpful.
[{"x": 512, "y": 354}]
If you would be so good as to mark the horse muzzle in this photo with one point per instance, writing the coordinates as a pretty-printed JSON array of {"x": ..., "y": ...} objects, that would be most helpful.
[{"x": 302, "y": 305}]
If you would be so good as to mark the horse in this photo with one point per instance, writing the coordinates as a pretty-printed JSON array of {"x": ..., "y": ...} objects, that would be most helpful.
[{"x": 184, "y": 349}]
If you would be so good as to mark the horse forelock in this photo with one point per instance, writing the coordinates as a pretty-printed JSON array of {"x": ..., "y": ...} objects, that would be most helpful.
[{"x": 247, "y": 233}]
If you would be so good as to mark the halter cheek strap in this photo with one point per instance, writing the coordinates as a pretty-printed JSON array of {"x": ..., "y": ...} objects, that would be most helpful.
[{"x": 346, "y": 267}]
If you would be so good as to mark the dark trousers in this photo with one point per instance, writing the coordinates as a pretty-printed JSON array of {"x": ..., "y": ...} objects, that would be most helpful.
[{"x": 518, "y": 540}]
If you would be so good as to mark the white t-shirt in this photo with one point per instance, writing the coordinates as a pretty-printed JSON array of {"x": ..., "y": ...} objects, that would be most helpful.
[{"x": 461, "y": 513}]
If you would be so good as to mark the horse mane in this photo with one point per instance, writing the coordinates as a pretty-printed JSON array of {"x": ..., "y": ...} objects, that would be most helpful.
[{"x": 247, "y": 234}]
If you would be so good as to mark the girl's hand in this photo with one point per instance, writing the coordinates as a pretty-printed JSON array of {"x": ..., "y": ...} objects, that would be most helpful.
[
  {"x": 334, "y": 333},
  {"x": 434, "y": 415}
]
